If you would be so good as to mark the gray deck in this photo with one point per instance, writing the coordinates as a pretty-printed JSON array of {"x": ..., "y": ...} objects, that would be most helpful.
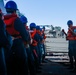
[
  {"x": 54, "y": 68},
  {"x": 57, "y": 58}
]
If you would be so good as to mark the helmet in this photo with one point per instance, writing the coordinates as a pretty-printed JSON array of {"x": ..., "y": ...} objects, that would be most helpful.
[
  {"x": 38, "y": 27},
  {"x": 23, "y": 19},
  {"x": 11, "y": 5},
  {"x": 44, "y": 27},
  {"x": 32, "y": 25},
  {"x": 70, "y": 22}
]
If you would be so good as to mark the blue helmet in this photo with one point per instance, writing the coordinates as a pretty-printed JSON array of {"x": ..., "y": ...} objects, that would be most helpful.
[
  {"x": 40, "y": 29},
  {"x": 11, "y": 5},
  {"x": 70, "y": 22},
  {"x": 44, "y": 27},
  {"x": 32, "y": 25},
  {"x": 37, "y": 27},
  {"x": 23, "y": 19}
]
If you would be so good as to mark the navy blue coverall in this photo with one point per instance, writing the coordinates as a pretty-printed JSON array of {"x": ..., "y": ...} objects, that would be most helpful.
[
  {"x": 38, "y": 38},
  {"x": 17, "y": 56},
  {"x": 31, "y": 61},
  {"x": 3, "y": 44}
]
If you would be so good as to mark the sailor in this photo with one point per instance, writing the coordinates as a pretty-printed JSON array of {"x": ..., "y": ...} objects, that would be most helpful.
[{"x": 17, "y": 59}]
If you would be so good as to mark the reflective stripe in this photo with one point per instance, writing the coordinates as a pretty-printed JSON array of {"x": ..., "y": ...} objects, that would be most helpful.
[{"x": 71, "y": 38}]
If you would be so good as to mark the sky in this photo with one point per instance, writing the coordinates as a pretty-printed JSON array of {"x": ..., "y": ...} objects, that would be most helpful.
[{"x": 48, "y": 12}]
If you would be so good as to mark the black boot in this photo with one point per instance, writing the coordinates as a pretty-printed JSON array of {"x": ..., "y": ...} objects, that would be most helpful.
[{"x": 71, "y": 64}]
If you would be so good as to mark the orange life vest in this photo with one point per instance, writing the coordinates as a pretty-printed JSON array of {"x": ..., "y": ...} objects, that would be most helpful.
[
  {"x": 9, "y": 21},
  {"x": 71, "y": 33},
  {"x": 34, "y": 43}
]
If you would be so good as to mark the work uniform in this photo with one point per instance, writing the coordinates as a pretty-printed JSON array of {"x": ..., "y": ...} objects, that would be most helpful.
[
  {"x": 3, "y": 44},
  {"x": 31, "y": 61},
  {"x": 34, "y": 48},
  {"x": 17, "y": 56},
  {"x": 72, "y": 48},
  {"x": 43, "y": 52},
  {"x": 39, "y": 44}
]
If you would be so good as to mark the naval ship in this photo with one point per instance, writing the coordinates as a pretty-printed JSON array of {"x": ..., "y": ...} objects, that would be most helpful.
[{"x": 56, "y": 60}]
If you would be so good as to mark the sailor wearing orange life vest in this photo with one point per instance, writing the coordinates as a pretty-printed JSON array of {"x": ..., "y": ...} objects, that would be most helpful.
[
  {"x": 17, "y": 56},
  {"x": 71, "y": 36},
  {"x": 44, "y": 37},
  {"x": 42, "y": 43},
  {"x": 40, "y": 39},
  {"x": 33, "y": 46},
  {"x": 31, "y": 63}
]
